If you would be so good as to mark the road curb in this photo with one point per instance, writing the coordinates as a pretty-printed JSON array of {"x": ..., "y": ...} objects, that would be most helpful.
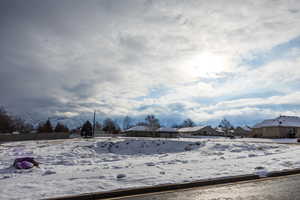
[
  {"x": 283, "y": 172},
  {"x": 158, "y": 188}
]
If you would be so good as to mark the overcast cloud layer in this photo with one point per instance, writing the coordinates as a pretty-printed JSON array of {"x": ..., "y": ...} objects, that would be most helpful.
[{"x": 200, "y": 59}]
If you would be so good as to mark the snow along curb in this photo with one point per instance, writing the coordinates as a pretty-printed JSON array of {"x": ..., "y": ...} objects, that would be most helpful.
[
  {"x": 158, "y": 188},
  {"x": 169, "y": 187}
]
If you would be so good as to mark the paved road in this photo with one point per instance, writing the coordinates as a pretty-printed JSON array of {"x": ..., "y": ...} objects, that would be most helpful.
[{"x": 283, "y": 188}]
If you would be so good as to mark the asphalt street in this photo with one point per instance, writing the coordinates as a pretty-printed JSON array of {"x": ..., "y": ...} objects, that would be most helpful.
[{"x": 280, "y": 188}]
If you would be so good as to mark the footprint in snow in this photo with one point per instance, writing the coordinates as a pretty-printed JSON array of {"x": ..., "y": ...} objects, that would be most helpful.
[
  {"x": 117, "y": 167},
  {"x": 48, "y": 172},
  {"x": 120, "y": 176},
  {"x": 150, "y": 164},
  {"x": 236, "y": 150},
  {"x": 259, "y": 168},
  {"x": 72, "y": 179},
  {"x": 5, "y": 177}
]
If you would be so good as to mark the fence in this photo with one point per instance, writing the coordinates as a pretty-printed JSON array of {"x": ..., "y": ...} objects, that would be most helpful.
[{"x": 33, "y": 136}]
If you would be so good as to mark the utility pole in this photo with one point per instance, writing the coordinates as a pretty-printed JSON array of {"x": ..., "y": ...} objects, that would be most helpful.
[{"x": 94, "y": 123}]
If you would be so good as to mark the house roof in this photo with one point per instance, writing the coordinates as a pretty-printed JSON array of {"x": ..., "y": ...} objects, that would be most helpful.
[
  {"x": 138, "y": 128},
  {"x": 191, "y": 129},
  {"x": 246, "y": 128},
  {"x": 286, "y": 121},
  {"x": 218, "y": 129},
  {"x": 243, "y": 128}
]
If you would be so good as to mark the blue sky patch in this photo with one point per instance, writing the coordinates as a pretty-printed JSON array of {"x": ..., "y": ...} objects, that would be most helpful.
[
  {"x": 281, "y": 51},
  {"x": 154, "y": 93}
]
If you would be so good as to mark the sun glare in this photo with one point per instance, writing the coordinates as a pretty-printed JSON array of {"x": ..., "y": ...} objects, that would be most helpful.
[{"x": 205, "y": 65}]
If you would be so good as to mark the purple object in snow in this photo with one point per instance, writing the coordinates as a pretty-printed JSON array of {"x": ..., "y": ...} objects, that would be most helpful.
[{"x": 25, "y": 163}]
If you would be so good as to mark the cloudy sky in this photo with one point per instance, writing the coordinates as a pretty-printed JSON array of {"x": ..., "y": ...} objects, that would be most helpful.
[{"x": 200, "y": 59}]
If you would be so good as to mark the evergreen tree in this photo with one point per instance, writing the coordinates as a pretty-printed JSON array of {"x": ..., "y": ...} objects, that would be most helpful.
[
  {"x": 61, "y": 128},
  {"x": 48, "y": 126},
  {"x": 87, "y": 129},
  {"x": 45, "y": 128},
  {"x": 58, "y": 127}
]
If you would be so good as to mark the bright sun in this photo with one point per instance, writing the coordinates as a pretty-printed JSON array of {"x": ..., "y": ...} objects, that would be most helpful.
[{"x": 204, "y": 65}]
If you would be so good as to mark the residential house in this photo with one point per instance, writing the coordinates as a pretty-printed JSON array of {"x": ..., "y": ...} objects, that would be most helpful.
[
  {"x": 139, "y": 131},
  {"x": 280, "y": 127},
  {"x": 197, "y": 130}
]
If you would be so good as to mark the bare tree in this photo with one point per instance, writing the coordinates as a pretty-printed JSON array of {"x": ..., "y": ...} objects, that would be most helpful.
[
  {"x": 110, "y": 126},
  {"x": 226, "y": 126},
  {"x": 188, "y": 123},
  {"x": 127, "y": 123},
  {"x": 152, "y": 122}
]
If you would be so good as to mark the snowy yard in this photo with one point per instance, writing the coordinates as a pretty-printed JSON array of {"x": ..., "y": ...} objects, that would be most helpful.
[{"x": 79, "y": 166}]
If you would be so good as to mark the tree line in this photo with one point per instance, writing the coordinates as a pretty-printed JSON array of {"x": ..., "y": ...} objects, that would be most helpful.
[
  {"x": 152, "y": 123},
  {"x": 48, "y": 128},
  {"x": 9, "y": 124}
]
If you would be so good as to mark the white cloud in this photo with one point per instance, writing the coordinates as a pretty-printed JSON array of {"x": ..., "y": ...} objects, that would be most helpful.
[{"x": 107, "y": 54}]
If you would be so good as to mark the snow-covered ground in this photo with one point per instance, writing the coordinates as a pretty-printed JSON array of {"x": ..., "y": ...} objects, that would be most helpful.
[
  {"x": 77, "y": 166},
  {"x": 239, "y": 139}
]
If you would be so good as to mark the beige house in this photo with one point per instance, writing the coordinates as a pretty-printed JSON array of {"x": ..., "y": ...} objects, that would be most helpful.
[
  {"x": 197, "y": 130},
  {"x": 280, "y": 127}
]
